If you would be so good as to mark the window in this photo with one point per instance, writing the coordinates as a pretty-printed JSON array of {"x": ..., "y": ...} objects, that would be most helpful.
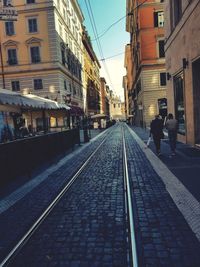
[
  {"x": 38, "y": 84},
  {"x": 163, "y": 80},
  {"x": 9, "y": 25},
  {"x": 60, "y": 30},
  {"x": 35, "y": 54},
  {"x": 65, "y": 85},
  {"x": 7, "y": 3},
  {"x": 177, "y": 11},
  {"x": 15, "y": 86},
  {"x": 63, "y": 56},
  {"x": 58, "y": 3},
  {"x": 30, "y": 1},
  {"x": 32, "y": 25},
  {"x": 159, "y": 19},
  {"x": 74, "y": 90},
  {"x": 179, "y": 103},
  {"x": 12, "y": 56},
  {"x": 64, "y": 13},
  {"x": 42, "y": 124},
  {"x": 161, "y": 48},
  {"x": 162, "y": 107}
]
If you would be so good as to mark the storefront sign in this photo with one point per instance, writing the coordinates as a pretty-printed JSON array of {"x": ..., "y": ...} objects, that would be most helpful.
[
  {"x": 8, "y": 14},
  {"x": 7, "y": 11}
]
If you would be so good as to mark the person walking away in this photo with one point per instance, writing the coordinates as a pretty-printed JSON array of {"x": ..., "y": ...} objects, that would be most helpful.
[
  {"x": 156, "y": 130},
  {"x": 172, "y": 126}
]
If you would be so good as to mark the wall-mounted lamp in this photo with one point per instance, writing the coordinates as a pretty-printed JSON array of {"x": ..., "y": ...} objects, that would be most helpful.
[
  {"x": 130, "y": 13},
  {"x": 185, "y": 63},
  {"x": 168, "y": 76}
]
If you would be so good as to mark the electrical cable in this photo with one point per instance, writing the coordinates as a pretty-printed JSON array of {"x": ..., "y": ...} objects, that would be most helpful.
[
  {"x": 116, "y": 55},
  {"x": 94, "y": 28},
  {"x": 113, "y": 24}
]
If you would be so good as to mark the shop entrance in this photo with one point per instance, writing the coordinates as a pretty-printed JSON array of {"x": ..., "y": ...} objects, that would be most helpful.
[{"x": 196, "y": 95}]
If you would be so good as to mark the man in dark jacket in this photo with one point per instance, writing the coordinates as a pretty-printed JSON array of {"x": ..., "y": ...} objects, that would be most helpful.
[{"x": 156, "y": 129}]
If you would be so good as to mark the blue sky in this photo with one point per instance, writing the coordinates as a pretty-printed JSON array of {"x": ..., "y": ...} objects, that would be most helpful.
[{"x": 107, "y": 12}]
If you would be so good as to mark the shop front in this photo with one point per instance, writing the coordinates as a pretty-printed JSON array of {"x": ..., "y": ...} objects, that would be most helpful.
[{"x": 24, "y": 116}]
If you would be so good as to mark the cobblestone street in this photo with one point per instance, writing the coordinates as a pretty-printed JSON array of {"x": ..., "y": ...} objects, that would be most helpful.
[{"x": 88, "y": 227}]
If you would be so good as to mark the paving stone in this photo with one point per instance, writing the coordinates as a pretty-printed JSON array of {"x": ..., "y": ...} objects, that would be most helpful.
[{"x": 88, "y": 228}]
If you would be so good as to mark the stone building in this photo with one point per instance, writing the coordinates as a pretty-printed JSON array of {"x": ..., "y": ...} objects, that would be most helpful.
[
  {"x": 117, "y": 111},
  {"x": 145, "y": 22},
  {"x": 42, "y": 51},
  {"x": 182, "y": 48}
]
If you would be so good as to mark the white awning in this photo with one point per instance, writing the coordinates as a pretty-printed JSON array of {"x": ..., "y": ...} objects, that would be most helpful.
[
  {"x": 47, "y": 103},
  {"x": 98, "y": 116},
  {"x": 8, "y": 97}
]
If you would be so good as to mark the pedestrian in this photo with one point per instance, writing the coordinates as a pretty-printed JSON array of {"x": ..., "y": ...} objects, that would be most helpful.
[
  {"x": 156, "y": 130},
  {"x": 172, "y": 127}
]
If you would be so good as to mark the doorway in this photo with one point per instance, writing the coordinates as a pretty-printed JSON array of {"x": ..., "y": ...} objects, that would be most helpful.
[{"x": 196, "y": 97}]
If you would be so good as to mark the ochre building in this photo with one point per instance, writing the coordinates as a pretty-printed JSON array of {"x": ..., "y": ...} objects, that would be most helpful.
[{"x": 42, "y": 51}]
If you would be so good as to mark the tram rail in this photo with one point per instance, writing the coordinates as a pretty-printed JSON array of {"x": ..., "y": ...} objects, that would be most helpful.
[
  {"x": 129, "y": 208},
  {"x": 131, "y": 253}
]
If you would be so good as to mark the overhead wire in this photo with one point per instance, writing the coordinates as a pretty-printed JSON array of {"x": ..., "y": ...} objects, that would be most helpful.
[
  {"x": 97, "y": 37},
  {"x": 117, "y": 21},
  {"x": 116, "y": 55},
  {"x": 94, "y": 28}
]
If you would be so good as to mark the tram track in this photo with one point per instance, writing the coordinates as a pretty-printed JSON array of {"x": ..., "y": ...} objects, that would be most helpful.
[
  {"x": 131, "y": 253},
  {"x": 42, "y": 217},
  {"x": 133, "y": 259}
]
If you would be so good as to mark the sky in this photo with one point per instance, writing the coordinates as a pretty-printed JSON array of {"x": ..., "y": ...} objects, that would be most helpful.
[{"x": 113, "y": 39}]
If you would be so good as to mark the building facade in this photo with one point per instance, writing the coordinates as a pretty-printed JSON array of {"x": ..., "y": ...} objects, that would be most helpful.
[
  {"x": 91, "y": 77},
  {"x": 117, "y": 111},
  {"x": 182, "y": 48},
  {"x": 42, "y": 51},
  {"x": 128, "y": 83},
  {"x": 145, "y": 22},
  {"x": 105, "y": 97}
]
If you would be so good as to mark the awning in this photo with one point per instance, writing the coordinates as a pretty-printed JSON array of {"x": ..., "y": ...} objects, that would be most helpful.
[
  {"x": 47, "y": 103},
  {"x": 76, "y": 111},
  {"x": 98, "y": 116},
  {"x": 8, "y": 97}
]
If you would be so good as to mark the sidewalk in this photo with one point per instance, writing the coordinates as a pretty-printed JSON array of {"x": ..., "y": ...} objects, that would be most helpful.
[{"x": 185, "y": 165}]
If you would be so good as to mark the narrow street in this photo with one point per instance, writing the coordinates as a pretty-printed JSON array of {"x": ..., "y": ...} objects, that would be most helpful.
[
  {"x": 99, "y": 133},
  {"x": 88, "y": 227}
]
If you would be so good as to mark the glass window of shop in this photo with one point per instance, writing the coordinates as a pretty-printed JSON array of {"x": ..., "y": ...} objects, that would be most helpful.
[{"x": 179, "y": 102}]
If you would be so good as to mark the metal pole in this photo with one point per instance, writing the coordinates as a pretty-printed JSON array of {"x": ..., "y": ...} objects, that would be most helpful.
[{"x": 2, "y": 68}]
